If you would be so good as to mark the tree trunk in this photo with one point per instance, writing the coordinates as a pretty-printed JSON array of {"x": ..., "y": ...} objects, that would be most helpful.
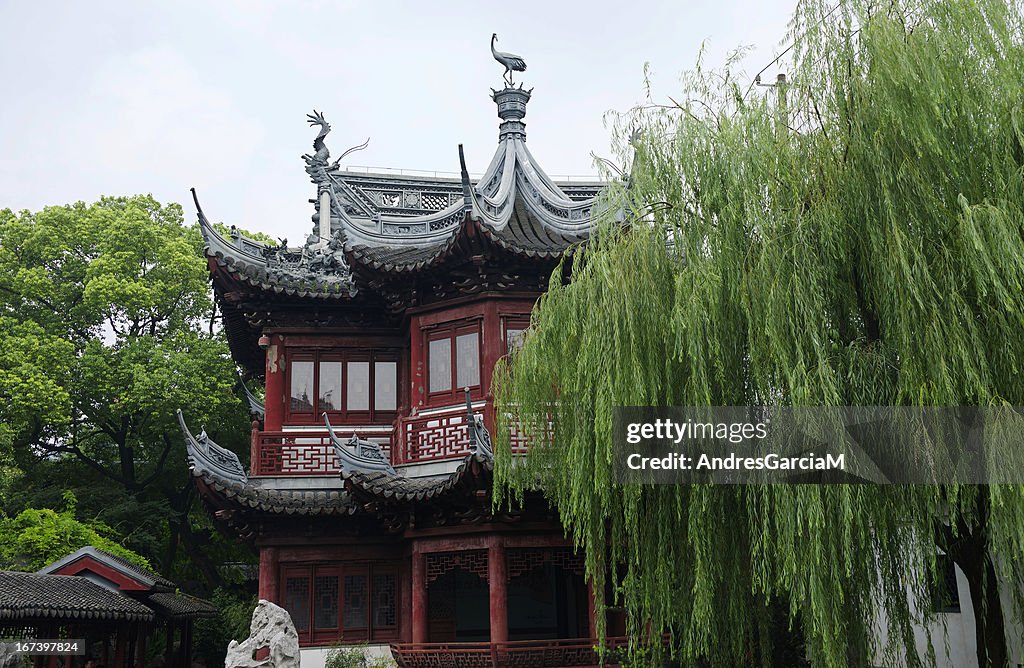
[
  {"x": 969, "y": 550},
  {"x": 989, "y": 630}
]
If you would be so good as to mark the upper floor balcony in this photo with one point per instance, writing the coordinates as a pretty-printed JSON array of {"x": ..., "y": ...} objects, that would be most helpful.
[{"x": 431, "y": 436}]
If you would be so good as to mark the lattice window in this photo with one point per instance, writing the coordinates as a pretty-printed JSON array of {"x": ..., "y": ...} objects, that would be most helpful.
[
  {"x": 362, "y": 597},
  {"x": 354, "y": 611},
  {"x": 472, "y": 561},
  {"x": 296, "y": 601},
  {"x": 384, "y": 600},
  {"x": 325, "y": 602},
  {"x": 523, "y": 560},
  {"x": 344, "y": 383}
]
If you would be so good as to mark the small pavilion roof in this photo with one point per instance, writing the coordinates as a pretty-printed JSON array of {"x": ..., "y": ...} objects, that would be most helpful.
[
  {"x": 180, "y": 605},
  {"x": 26, "y": 596},
  {"x": 146, "y": 578}
]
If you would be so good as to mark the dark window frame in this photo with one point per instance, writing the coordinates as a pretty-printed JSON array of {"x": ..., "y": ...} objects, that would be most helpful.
[
  {"x": 344, "y": 415},
  {"x": 451, "y": 331},
  {"x": 514, "y": 322}
]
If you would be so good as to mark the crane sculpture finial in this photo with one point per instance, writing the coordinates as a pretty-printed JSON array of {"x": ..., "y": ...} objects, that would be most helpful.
[{"x": 512, "y": 62}]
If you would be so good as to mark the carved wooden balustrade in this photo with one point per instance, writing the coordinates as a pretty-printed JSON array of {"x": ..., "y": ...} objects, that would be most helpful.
[
  {"x": 301, "y": 453},
  {"x": 432, "y": 436},
  {"x": 512, "y": 654},
  {"x": 441, "y": 434}
]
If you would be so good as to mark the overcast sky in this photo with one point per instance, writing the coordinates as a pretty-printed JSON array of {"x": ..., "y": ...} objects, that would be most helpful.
[{"x": 104, "y": 98}]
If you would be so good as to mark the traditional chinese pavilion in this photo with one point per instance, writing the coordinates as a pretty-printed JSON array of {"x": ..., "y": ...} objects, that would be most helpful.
[
  {"x": 115, "y": 607},
  {"x": 368, "y": 495}
]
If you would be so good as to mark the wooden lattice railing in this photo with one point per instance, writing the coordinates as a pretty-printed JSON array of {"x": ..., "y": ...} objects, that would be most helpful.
[
  {"x": 512, "y": 654},
  {"x": 428, "y": 437},
  {"x": 300, "y": 453}
]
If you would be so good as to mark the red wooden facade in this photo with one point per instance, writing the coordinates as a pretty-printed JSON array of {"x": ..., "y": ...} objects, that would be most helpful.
[{"x": 389, "y": 323}]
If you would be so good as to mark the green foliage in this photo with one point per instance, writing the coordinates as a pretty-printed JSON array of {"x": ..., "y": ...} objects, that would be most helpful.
[
  {"x": 38, "y": 537},
  {"x": 234, "y": 615},
  {"x": 356, "y": 657},
  {"x": 850, "y": 239},
  {"x": 104, "y": 332}
]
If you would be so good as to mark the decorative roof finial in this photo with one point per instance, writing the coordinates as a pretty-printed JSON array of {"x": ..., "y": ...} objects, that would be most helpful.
[
  {"x": 512, "y": 62},
  {"x": 322, "y": 154}
]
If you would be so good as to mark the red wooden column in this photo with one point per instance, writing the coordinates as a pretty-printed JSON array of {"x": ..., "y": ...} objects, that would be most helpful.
[
  {"x": 405, "y": 595},
  {"x": 274, "y": 398},
  {"x": 493, "y": 346},
  {"x": 419, "y": 596},
  {"x": 417, "y": 368},
  {"x": 497, "y": 580},
  {"x": 268, "y": 574}
]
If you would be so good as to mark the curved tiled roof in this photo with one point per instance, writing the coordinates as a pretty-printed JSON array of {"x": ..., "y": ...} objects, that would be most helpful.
[
  {"x": 394, "y": 487},
  {"x": 26, "y": 596},
  {"x": 180, "y": 606},
  {"x": 219, "y": 471},
  {"x": 401, "y": 224},
  {"x": 300, "y": 272}
]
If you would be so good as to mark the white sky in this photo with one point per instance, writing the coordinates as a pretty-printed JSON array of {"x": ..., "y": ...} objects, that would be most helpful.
[{"x": 103, "y": 98}]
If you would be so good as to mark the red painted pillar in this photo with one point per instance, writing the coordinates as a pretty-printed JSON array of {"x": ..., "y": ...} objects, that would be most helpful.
[
  {"x": 493, "y": 346},
  {"x": 254, "y": 446},
  {"x": 497, "y": 579},
  {"x": 417, "y": 367},
  {"x": 405, "y": 590},
  {"x": 268, "y": 574},
  {"x": 419, "y": 596},
  {"x": 274, "y": 395},
  {"x": 186, "y": 644}
]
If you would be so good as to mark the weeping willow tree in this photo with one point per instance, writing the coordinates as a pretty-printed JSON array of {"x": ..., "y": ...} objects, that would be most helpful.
[{"x": 854, "y": 236}]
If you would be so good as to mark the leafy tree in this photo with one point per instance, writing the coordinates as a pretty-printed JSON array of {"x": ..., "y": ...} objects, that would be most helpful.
[
  {"x": 852, "y": 238},
  {"x": 40, "y": 536},
  {"x": 103, "y": 334}
]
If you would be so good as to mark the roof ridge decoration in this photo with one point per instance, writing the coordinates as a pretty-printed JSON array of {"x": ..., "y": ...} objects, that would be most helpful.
[
  {"x": 205, "y": 456},
  {"x": 318, "y": 269},
  {"x": 479, "y": 438},
  {"x": 382, "y": 223},
  {"x": 257, "y": 408},
  {"x": 510, "y": 61},
  {"x": 357, "y": 454}
]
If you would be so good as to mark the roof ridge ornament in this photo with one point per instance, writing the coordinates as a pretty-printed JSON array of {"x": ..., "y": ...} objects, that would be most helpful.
[
  {"x": 357, "y": 455},
  {"x": 321, "y": 153},
  {"x": 510, "y": 61},
  {"x": 511, "y": 103},
  {"x": 479, "y": 438}
]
